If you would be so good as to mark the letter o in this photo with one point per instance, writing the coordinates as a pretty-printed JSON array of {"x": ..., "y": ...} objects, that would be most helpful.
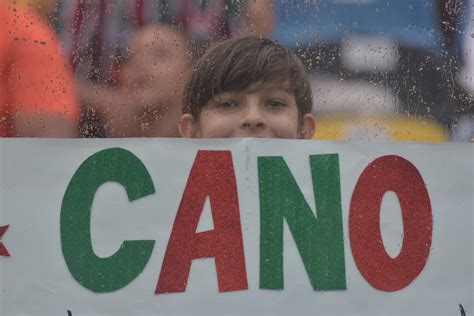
[{"x": 390, "y": 173}]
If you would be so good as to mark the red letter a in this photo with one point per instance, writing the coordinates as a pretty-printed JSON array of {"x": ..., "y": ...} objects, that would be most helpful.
[{"x": 211, "y": 175}]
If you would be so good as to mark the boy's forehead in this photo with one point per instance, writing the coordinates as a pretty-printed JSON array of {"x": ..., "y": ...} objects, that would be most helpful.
[{"x": 269, "y": 85}]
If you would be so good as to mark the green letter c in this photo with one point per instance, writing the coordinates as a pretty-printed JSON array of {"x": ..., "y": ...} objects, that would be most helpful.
[{"x": 112, "y": 273}]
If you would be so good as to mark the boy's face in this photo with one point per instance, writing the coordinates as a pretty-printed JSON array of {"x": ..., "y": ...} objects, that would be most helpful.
[{"x": 262, "y": 110}]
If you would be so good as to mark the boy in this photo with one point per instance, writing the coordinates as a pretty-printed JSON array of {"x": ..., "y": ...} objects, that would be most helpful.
[{"x": 248, "y": 87}]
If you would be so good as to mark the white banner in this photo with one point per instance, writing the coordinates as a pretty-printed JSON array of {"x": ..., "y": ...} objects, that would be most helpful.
[{"x": 243, "y": 226}]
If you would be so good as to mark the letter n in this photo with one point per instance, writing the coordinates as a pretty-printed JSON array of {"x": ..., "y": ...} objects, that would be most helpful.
[
  {"x": 319, "y": 239},
  {"x": 212, "y": 175}
]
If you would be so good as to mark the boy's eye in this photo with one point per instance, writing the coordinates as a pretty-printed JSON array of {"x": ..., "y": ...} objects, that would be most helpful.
[
  {"x": 226, "y": 104},
  {"x": 275, "y": 103}
]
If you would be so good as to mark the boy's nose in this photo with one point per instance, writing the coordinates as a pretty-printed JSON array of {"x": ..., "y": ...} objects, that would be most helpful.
[{"x": 253, "y": 118}]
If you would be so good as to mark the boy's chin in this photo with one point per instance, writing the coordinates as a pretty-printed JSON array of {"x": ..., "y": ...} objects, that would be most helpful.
[
  {"x": 265, "y": 134},
  {"x": 250, "y": 135},
  {"x": 255, "y": 135}
]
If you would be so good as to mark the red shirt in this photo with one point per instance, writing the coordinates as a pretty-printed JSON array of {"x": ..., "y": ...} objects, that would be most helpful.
[{"x": 34, "y": 76}]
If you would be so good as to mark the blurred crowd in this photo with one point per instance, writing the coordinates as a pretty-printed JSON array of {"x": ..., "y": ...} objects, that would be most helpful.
[{"x": 380, "y": 70}]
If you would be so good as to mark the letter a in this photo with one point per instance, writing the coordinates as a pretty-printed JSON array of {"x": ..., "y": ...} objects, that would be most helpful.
[{"x": 212, "y": 175}]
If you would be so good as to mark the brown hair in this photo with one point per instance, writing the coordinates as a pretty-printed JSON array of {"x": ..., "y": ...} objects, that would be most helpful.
[{"x": 235, "y": 64}]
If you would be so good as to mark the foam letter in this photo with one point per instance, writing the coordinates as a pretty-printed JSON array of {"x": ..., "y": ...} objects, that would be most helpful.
[
  {"x": 319, "y": 240},
  {"x": 212, "y": 175},
  {"x": 390, "y": 173},
  {"x": 95, "y": 273}
]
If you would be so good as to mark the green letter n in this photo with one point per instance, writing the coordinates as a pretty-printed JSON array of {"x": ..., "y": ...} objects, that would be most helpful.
[{"x": 319, "y": 240}]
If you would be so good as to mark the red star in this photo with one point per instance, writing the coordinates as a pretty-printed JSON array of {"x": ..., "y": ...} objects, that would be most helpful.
[{"x": 3, "y": 250}]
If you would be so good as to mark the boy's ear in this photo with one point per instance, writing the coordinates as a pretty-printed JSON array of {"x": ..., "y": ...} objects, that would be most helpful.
[
  {"x": 308, "y": 126},
  {"x": 187, "y": 126}
]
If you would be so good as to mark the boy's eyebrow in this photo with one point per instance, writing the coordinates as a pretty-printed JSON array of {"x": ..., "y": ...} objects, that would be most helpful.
[{"x": 275, "y": 85}]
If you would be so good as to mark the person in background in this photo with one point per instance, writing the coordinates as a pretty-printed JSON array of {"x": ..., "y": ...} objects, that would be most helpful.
[
  {"x": 37, "y": 94},
  {"x": 248, "y": 87},
  {"x": 464, "y": 129},
  {"x": 147, "y": 97},
  {"x": 456, "y": 21},
  {"x": 97, "y": 37}
]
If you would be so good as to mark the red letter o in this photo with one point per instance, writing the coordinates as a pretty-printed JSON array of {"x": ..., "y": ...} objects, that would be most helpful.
[{"x": 390, "y": 173}]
